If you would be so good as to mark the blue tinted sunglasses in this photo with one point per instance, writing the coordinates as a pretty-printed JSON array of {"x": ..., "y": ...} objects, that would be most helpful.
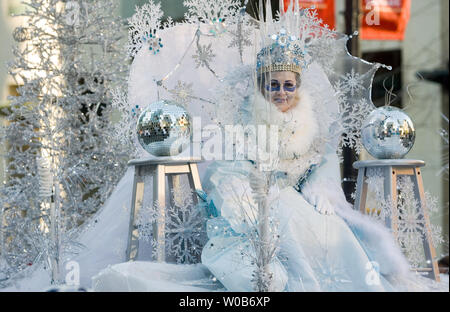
[{"x": 276, "y": 86}]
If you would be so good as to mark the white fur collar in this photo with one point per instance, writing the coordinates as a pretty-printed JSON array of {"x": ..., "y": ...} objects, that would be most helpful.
[
  {"x": 298, "y": 127},
  {"x": 298, "y": 133}
]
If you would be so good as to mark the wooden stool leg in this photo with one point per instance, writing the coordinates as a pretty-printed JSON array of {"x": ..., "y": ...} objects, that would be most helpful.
[
  {"x": 194, "y": 181},
  {"x": 361, "y": 191},
  {"x": 390, "y": 194},
  {"x": 159, "y": 198},
  {"x": 430, "y": 253},
  {"x": 195, "y": 176},
  {"x": 173, "y": 181},
  {"x": 136, "y": 203}
]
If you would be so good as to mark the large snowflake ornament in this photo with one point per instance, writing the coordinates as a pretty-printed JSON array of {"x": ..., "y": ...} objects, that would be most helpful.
[
  {"x": 185, "y": 226},
  {"x": 411, "y": 223},
  {"x": 411, "y": 219},
  {"x": 352, "y": 115},
  {"x": 437, "y": 236},
  {"x": 241, "y": 32},
  {"x": 124, "y": 127},
  {"x": 185, "y": 232},
  {"x": 143, "y": 26}
]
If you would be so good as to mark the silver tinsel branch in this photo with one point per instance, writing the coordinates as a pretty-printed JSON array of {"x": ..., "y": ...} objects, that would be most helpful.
[
  {"x": 262, "y": 226},
  {"x": 264, "y": 244},
  {"x": 62, "y": 158}
]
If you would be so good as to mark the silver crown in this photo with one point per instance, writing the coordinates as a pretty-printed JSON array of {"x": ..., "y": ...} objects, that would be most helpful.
[{"x": 284, "y": 54}]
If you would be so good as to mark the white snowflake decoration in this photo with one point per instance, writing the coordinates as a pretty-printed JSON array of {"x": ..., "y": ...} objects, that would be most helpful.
[
  {"x": 352, "y": 82},
  {"x": 204, "y": 55},
  {"x": 143, "y": 23},
  {"x": 210, "y": 11},
  {"x": 352, "y": 118},
  {"x": 147, "y": 216},
  {"x": 437, "y": 236},
  {"x": 185, "y": 226},
  {"x": 124, "y": 128},
  {"x": 326, "y": 53},
  {"x": 412, "y": 247},
  {"x": 431, "y": 203},
  {"x": 185, "y": 232},
  {"x": 241, "y": 33},
  {"x": 411, "y": 223},
  {"x": 182, "y": 92},
  {"x": 411, "y": 220}
]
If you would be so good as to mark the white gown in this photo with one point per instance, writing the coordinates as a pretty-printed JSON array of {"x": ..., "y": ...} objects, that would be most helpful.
[{"x": 317, "y": 251}]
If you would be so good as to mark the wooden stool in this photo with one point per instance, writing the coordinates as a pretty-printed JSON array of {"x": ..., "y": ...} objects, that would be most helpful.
[
  {"x": 391, "y": 168},
  {"x": 159, "y": 168}
]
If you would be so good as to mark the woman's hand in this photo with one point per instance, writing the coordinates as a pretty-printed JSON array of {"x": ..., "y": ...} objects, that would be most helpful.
[{"x": 324, "y": 195}]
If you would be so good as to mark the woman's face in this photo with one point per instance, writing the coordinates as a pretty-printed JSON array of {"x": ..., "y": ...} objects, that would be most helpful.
[{"x": 281, "y": 89}]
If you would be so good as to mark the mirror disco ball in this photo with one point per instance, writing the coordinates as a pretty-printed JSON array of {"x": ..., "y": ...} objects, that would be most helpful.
[
  {"x": 388, "y": 133},
  {"x": 164, "y": 128}
]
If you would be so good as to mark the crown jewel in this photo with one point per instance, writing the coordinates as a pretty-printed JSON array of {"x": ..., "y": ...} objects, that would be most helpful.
[{"x": 284, "y": 54}]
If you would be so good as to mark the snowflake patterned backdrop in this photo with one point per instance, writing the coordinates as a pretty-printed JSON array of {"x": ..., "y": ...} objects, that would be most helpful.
[
  {"x": 185, "y": 227},
  {"x": 410, "y": 220}
]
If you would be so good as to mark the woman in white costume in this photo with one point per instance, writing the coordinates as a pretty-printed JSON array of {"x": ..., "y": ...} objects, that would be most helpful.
[{"x": 323, "y": 244}]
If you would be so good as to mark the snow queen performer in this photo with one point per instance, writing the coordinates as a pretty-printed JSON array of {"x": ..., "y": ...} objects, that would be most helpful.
[{"x": 323, "y": 244}]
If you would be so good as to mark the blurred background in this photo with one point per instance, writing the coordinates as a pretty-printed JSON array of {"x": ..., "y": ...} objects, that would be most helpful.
[{"x": 418, "y": 51}]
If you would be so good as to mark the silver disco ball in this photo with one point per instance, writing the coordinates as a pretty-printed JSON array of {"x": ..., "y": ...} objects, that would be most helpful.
[
  {"x": 164, "y": 128},
  {"x": 388, "y": 133}
]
